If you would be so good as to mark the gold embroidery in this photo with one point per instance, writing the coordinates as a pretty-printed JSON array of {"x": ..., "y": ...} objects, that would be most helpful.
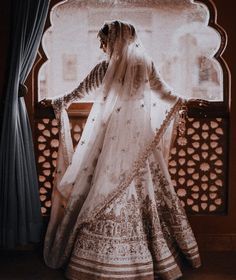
[{"x": 137, "y": 230}]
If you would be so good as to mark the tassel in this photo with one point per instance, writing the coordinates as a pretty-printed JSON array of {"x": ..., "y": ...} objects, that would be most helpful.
[{"x": 182, "y": 141}]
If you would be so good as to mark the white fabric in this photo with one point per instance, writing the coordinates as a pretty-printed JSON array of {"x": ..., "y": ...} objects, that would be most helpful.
[{"x": 127, "y": 122}]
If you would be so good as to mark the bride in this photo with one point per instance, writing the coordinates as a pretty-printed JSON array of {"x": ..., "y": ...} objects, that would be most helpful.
[{"x": 115, "y": 213}]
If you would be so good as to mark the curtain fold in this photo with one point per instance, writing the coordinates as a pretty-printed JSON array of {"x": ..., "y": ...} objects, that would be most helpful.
[{"x": 20, "y": 217}]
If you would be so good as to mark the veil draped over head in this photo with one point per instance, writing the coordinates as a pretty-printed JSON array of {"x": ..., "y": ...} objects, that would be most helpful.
[{"x": 127, "y": 102}]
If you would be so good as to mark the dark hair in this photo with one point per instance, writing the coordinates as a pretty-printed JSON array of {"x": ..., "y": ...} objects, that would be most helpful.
[
  {"x": 105, "y": 29},
  {"x": 132, "y": 29}
]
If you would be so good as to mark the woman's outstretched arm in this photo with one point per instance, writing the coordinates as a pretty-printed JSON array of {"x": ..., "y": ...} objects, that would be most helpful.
[
  {"x": 92, "y": 81},
  {"x": 158, "y": 85},
  {"x": 165, "y": 92}
]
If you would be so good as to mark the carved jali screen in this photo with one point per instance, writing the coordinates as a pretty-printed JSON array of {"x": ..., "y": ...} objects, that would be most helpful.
[{"x": 198, "y": 168}]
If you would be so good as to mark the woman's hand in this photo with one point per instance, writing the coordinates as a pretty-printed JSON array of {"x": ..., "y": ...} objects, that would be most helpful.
[
  {"x": 46, "y": 102},
  {"x": 198, "y": 103}
]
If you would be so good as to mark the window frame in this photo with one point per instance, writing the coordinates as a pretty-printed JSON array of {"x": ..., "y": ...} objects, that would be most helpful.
[{"x": 215, "y": 108}]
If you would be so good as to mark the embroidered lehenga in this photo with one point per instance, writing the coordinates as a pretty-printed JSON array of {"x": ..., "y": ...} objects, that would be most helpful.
[{"x": 115, "y": 213}]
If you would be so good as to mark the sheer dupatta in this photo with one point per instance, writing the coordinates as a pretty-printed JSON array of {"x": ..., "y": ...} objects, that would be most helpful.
[{"x": 129, "y": 81}]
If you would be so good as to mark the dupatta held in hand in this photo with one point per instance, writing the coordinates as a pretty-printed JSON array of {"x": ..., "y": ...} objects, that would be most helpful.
[{"x": 133, "y": 107}]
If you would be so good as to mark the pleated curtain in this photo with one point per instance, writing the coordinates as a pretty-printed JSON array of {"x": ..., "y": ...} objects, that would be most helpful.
[{"x": 20, "y": 217}]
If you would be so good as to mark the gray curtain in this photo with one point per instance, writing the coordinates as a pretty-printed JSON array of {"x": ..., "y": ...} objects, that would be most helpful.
[{"x": 20, "y": 217}]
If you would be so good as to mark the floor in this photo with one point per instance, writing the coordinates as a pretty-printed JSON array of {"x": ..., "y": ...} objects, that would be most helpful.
[{"x": 28, "y": 265}]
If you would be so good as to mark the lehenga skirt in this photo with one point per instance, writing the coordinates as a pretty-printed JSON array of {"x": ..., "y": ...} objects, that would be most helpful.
[{"x": 144, "y": 234}]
